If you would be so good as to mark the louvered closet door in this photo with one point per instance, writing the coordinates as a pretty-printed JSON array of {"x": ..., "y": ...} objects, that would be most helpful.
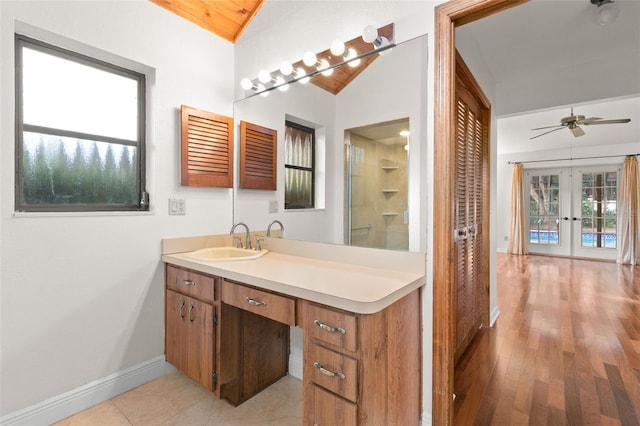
[{"x": 471, "y": 187}]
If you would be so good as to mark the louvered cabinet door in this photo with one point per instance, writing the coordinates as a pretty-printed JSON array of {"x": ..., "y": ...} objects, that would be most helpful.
[
  {"x": 258, "y": 148},
  {"x": 206, "y": 155},
  {"x": 471, "y": 264}
]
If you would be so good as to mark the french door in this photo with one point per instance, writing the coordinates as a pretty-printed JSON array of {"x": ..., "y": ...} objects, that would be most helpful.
[{"x": 572, "y": 211}]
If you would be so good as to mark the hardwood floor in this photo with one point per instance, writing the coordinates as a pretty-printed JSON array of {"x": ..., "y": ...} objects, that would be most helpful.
[{"x": 565, "y": 349}]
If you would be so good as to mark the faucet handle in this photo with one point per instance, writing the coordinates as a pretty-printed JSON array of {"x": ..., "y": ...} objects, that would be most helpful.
[
  {"x": 238, "y": 242},
  {"x": 259, "y": 243}
]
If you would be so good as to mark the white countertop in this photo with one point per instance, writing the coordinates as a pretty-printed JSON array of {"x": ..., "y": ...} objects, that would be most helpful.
[{"x": 357, "y": 288}]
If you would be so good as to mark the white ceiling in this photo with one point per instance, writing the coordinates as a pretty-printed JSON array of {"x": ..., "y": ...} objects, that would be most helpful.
[{"x": 547, "y": 56}]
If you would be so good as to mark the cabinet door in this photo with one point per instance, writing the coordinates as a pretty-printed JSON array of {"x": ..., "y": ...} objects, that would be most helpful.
[
  {"x": 200, "y": 342},
  {"x": 327, "y": 409},
  {"x": 189, "y": 337},
  {"x": 176, "y": 330}
]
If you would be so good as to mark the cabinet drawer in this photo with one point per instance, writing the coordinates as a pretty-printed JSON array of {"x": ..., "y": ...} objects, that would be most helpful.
[
  {"x": 332, "y": 370},
  {"x": 328, "y": 409},
  {"x": 274, "y": 306},
  {"x": 326, "y": 325},
  {"x": 190, "y": 283}
]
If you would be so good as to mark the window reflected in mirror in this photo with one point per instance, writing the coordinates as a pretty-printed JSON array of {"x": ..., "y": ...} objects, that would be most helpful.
[{"x": 299, "y": 148}]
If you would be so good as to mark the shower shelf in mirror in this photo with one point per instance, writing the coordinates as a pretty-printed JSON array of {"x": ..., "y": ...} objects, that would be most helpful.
[
  {"x": 389, "y": 191},
  {"x": 390, "y": 214},
  {"x": 389, "y": 168}
]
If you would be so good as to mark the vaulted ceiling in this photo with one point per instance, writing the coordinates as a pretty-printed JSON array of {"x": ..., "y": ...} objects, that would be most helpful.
[
  {"x": 229, "y": 18},
  {"x": 224, "y": 18}
]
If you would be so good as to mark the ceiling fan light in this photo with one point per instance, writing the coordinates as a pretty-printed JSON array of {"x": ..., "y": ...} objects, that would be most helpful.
[{"x": 607, "y": 14}]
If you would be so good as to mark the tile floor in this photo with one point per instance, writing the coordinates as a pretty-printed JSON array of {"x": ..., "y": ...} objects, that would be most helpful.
[{"x": 176, "y": 400}]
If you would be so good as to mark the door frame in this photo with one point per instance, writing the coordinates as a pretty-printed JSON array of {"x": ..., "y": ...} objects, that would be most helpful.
[{"x": 448, "y": 16}]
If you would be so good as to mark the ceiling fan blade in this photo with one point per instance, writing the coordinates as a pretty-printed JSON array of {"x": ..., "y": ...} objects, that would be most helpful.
[
  {"x": 588, "y": 120},
  {"x": 546, "y": 133},
  {"x": 548, "y": 127},
  {"x": 616, "y": 121},
  {"x": 577, "y": 131}
]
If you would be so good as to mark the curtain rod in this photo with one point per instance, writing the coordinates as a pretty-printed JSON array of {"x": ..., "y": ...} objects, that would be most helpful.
[{"x": 576, "y": 158}]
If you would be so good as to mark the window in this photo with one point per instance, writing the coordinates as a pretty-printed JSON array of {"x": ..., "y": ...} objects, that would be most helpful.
[
  {"x": 299, "y": 149},
  {"x": 544, "y": 208},
  {"x": 79, "y": 132}
]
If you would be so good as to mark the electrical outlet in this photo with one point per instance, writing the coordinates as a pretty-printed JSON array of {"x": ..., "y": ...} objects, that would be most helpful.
[
  {"x": 177, "y": 207},
  {"x": 506, "y": 238},
  {"x": 273, "y": 206}
]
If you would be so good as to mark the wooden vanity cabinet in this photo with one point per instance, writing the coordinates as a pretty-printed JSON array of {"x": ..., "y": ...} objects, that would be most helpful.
[
  {"x": 362, "y": 369},
  {"x": 190, "y": 339},
  {"x": 233, "y": 339},
  {"x": 213, "y": 334}
]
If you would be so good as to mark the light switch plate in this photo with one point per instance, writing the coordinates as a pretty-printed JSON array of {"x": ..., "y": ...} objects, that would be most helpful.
[
  {"x": 273, "y": 206},
  {"x": 177, "y": 207}
]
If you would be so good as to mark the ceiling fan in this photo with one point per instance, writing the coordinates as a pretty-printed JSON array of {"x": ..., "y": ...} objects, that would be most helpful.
[{"x": 573, "y": 123}]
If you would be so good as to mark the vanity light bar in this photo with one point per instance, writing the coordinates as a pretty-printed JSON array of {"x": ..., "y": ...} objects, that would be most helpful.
[{"x": 310, "y": 66}]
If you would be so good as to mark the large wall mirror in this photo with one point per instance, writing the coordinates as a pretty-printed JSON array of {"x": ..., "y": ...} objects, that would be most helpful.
[{"x": 370, "y": 182}]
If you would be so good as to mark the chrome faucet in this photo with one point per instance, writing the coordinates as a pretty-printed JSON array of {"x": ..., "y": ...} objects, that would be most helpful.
[
  {"x": 233, "y": 228},
  {"x": 271, "y": 224}
]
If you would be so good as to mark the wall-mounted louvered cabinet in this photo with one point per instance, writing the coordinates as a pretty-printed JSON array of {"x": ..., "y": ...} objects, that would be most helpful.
[
  {"x": 206, "y": 149},
  {"x": 258, "y": 148}
]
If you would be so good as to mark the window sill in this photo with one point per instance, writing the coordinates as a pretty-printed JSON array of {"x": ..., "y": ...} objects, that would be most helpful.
[{"x": 20, "y": 215}]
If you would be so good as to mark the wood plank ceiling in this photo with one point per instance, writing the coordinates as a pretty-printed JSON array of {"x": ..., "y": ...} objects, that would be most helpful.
[{"x": 224, "y": 18}]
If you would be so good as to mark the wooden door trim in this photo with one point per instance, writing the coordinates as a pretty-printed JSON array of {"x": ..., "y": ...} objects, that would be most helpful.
[{"x": 447, "y": 16}]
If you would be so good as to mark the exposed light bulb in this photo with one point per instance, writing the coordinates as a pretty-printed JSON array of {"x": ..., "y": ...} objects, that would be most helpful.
[
  {"x": 369, "y": 34},
  {"x": 300, "y": 74},
  {"x": 286, "y": 68},
  {"x": 262, "y": 90},
  {"x": 309, "y": 58},
  {"x": 337, "y": 47},
  {"x": 282, "y": 85},
  {"x": 246, "y": 83},
  {"x": 404, "y": 133},
  {"x": 324, "y": 68},
  {"x": 350, "y": 58},
  {"x": 264, "y": 76}
]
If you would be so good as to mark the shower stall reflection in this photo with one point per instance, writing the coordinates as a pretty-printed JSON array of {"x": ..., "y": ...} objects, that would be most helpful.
[{"x": 376, "y": 185}]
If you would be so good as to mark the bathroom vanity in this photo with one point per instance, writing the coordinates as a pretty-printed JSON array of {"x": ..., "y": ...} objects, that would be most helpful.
[{"x": 227, "y": 326}]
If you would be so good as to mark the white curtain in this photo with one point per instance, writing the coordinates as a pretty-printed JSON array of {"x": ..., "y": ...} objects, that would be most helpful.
[
  {"x": 628, "y": 208},
  {"x": 517, "y": 230}
]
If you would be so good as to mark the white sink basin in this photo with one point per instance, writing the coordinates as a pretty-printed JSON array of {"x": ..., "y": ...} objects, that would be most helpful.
[{"x": 225, "y": 253}]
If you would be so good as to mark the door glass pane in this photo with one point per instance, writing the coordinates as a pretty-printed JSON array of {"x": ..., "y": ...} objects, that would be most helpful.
[
  {"x": 599, "y": 204},
  {"x": 544, "y": 199}
]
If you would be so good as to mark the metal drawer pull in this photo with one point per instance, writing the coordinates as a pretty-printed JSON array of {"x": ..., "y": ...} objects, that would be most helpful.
[
  {"x": 188, "y": 282},
  {"x": 191, "y": 309},
  {"x": 325, "y": 327},
  {"x": 327, "y": 372},
  {"x": 254, "y": 302}
]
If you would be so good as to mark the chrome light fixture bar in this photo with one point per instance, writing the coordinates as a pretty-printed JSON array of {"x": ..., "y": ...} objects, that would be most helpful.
[{"x": 312, "y": 65}]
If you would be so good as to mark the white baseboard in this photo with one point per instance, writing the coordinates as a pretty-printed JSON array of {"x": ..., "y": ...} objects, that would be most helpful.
[
  {"x": 495, "y": 313},
  {"x": 86, "y": 396}
]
